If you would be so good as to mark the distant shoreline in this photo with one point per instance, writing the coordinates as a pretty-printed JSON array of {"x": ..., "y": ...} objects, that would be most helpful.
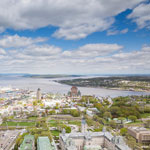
[
  {"x": 100, "y": 87},
  {"x": 129, "y": 83}
]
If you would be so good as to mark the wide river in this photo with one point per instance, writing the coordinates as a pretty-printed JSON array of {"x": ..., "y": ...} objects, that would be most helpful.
[{"x": 48, "y": 85}]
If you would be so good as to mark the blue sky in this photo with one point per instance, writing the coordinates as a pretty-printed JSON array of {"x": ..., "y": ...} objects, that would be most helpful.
[{"x": 80, "y": 37}]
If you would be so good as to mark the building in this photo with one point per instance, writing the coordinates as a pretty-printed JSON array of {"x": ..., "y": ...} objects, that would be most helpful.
[
  {"x": 43, "y": 143},
  {"x": 8, "y": 139},
  {"x": 83, "y": 126},
  {"x": 87, "y": 140},
  {"x": 38, "y": 94},
  {"x": 28, "y": 143},
  {"x": 141, "y": 134},
  {"x": 74, "y": 92}
]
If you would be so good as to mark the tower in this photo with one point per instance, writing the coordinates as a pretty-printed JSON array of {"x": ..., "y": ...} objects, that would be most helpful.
[
  {"x": 38, "y": 94},
  {"x": 83, "y": 125}
]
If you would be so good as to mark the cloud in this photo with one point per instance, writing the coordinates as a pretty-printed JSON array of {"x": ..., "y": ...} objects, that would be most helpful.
[
  {"x": 42, "y": 50},
  {"x": 93, "y": 50},
  {"x": 141, "y": 15},
  {"x": 114, "y": 32},
  {"x": 124, "y": 31},
  {"x": 2, "y": 51},
  {"x": 9, "y": 41},
  {"x": 74, "y": 19},
  {"x": 89, "y": 58}
]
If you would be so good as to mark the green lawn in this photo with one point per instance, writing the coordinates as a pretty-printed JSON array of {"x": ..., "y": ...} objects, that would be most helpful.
[
  {"x": 18, "y": 124},
  {"x": 145, "y": 115},
  {"x": 136, "y": 123},
  {"x": 55, "y": 132},
  {"x": 78, "y": 123},
  {"x": 53, "y": 123}
]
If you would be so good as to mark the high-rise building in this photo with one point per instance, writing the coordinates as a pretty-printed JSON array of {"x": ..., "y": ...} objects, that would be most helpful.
[{"x": 38, "y": 94}]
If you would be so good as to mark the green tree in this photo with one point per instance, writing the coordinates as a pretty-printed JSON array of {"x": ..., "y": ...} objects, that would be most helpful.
[
  {"x": 107, "y": 115},
  {"x": 133, "y": 118},
  {"x": 147, "y": 124},
  {"x": 123, "y": 131},
  {"x": 113, "y": 124},
  {"x": 68, "y": 129}
]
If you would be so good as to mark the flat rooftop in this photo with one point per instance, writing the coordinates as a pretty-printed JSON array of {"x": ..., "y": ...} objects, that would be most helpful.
[
  {"x": 43, "y": 143},
  {"x": 27, "y": 143},
  {"x": 139, "y": 129}
]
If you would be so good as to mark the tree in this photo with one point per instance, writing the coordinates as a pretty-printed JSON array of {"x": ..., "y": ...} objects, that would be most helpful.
[
  {"x": 68, "y": 129},
  {"x": 132, "y": 118},
  {"x": 75, "y": 113},
  {"x": 52, "y": 112},
  {"x": 147, "y": 124},
  {"x": 121, "y": 119},
  {"x": 115, "y": 111},
  {"x": 98, "y": 106},
  {"x": 107, "y": 115},
  {"x": 113, "y": 124},
  {"x": 123, "y": 131},
  {"x": 34, "y": 103}
]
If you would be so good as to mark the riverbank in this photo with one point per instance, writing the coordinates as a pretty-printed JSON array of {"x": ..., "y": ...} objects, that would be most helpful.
[{"x": 129, "y": 83}]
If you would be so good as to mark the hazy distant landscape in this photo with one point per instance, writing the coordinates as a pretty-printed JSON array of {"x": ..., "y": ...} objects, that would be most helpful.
[
  {"x": 134, "y": 83},
  {"x": 50, "y": 76}
]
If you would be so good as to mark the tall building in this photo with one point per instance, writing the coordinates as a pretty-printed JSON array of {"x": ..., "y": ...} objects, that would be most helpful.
[
  {"x": 38, "y": 94},
  {"x": 83, "y": 126}
]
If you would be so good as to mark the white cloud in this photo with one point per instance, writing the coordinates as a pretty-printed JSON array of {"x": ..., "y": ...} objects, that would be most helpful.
[
  {"x": 42, "y": 50},
  {"x": 141, "y": 15},
  {"x": 2, "y": 51},
  {"x": 114, "y": 32},
  {"x": 9, "y": 41},
  {"x": 90, "y": 58},
  {"x": 74, "y": 19},
  {"x": 124, "y": 31},
  {"x": 93, "y": 50}
]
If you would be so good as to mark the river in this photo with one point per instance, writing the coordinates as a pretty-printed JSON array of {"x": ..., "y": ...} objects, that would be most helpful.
[{"x": 48, "y": 85}]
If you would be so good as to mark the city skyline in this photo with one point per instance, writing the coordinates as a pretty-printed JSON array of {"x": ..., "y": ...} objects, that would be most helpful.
[{"x": 75, "y": 37}]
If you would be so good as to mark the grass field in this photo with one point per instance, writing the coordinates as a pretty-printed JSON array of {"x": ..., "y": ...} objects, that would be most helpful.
[
  {"x": 78, "y": 123},
  {"x": 18, "y": 124},
  {"x": 145, "y": 115},
  {"x": 55, "y": 132},
  {"x": 138, "y": 122},
  {"x": 53, "y": 123}
]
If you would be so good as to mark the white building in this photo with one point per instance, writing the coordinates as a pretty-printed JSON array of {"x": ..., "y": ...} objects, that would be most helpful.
[{"x": 86, "y": 140}]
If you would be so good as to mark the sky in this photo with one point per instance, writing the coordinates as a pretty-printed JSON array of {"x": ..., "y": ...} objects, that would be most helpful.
[{"x": 75, "y": 36}]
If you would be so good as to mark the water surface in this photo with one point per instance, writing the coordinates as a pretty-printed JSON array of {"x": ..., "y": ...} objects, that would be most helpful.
[{"x": 48, "y": 85}]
